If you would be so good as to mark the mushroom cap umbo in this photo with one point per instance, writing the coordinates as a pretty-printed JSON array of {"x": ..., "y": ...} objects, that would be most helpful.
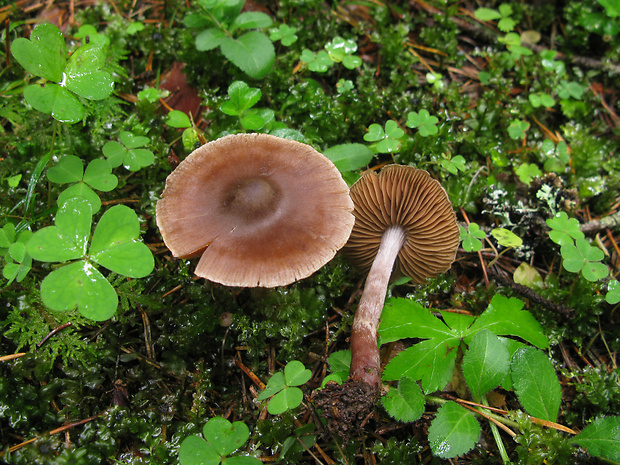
[
  {"x": 407, "y": 197},
  {"x": 259, "y": 209}
]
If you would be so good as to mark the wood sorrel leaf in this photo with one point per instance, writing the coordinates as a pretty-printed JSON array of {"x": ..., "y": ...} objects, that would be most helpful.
[
  {"x": 197, "y": 451},
  {"x": 44, "y": 54},
  {"x": 275, "y": 384},
  {"x": 68, "y": 169},
  {"x": 99, "y": 175},
  {"x": 288, "y": 398},
  {"x": 485, "y": 364},
  {"x": 80, "y": 285},
  {"x": 296, "y": 374},
  {"x": 132, "y": 141},
  {"x": 69, "y": 238},
  {"x": 536, "y": 383},
  {"x": 454, "y": 431},
  {"x": 115, "y": 152},
  {"x": 80, "y": 189},
  {"x": 84, "y": 75},
  {"x": 55, "y": 100},
  {"x": 224, "y": 436},
  {"x": 115, "y": 244}
]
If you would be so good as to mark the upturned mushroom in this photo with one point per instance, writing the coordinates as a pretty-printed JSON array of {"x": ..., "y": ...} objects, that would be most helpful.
[
  {"x": 404, "y": 222},
  {"x": 259, "y": 210}
]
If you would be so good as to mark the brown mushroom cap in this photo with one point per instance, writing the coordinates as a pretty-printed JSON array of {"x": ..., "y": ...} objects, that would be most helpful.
[
  {"x": 410, "y": 198},
  {"x": 262, "y": 210}
]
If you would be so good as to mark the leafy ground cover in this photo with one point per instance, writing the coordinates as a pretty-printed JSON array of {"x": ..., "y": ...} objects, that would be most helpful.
[{"x": 112, "y": 352}]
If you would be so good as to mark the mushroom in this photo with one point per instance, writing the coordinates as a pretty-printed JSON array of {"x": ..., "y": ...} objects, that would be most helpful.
[
  {"x": 259, "y": 210},
  {"x": 404, "y": 222}
]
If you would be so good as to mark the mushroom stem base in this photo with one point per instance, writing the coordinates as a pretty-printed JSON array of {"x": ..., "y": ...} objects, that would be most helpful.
[{"x": 365, "y": 360}]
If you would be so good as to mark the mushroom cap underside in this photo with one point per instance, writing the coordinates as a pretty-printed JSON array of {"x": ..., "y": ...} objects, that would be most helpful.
[
  {"x": 410, "y": 198},
  {"x": 259, "y": 209}
]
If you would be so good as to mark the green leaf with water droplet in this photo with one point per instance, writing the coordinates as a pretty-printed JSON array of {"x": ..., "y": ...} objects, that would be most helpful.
[
  {"x": 454, "y": 431},
  {"x": 115, "y": 244},
  {"x": 44, "y": 54},
  {"x": 66, "y": 240},
  {"x": 80, "y": 285}
]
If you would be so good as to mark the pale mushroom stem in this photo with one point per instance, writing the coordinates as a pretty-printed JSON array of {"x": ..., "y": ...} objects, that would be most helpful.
[{"x": 365, "y": 360}]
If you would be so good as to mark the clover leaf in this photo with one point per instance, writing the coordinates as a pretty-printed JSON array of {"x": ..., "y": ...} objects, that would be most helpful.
[
  {"x": 583, "y": 257},
  {"x": 386, "y": 140},
  {"x": 426, "y": 124},
  {"x": 564, "y": 230},
  {"x": 129, "y": 152},
  {"x": 285, "y": 34},
  {"x": 341, "y": 51},
  {"x": 471, "y": 237},
  {"x": 70, "y": 170},
  {"x": 282, "y": 386},
  {"x": 241, "y": 98},
  {"x": 221, "y": 439},
  {"x": 114, "y": 246},
  {"x": 44, "y": 55},
  {"x": 517, "y": 129},
  {"x": 318, "y": 62},
  {"x": 13, "y": 249},
  {"x": 453, "y": 164},
  {"x": 527, "y": 172},
  {"x": 613, "y": 292}
]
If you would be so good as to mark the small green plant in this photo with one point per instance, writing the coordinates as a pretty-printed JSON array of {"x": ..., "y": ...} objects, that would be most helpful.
[
  {"x": 512, "y": 41},
  {"x": 424, "y": 121},
  {"x": 503, "y": 13},
  {"x": 339, "y": 50},
  {"x": 241, "y": 99},
  {"x": 342, "y": 51},
  {"x": 613, "y": 292},
  {"x": 453, "y": 164},
  {"x": 472, "y": 237},
  {"x": 252, "y": 51},
  {"x": 517, "y": 129},
  {"x": 543, "y": 99},
  {"x": 527, "y": 172},
  {"x": 384, "y": 140},
  {"x": 129, "y": 152},
  {"x": 283, "y": 390},
  {"x": 70, "y": 170},
  {"x": 285, "y": 34},
  {"x": 578, "y": 255},
  {"x": 82, "y": 75},
  {"x": 582, "y": 257},
  {"x": 191, "y": 134},
  {"x": 114, "y": 246},
  {"x": 556, "y": 157},
  {"x": 488, "y": 361},
  {"x": 220, "y": 440},
  {"x": 13, "y": 250}
]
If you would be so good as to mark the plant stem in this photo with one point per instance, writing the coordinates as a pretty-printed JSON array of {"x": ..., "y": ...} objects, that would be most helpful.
[
  {"x": 365, "y": 360},
  {"x": 496, "y": 436}
]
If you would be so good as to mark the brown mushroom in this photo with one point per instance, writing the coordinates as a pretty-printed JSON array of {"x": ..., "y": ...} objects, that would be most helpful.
[
  {"x": 259, "y": 210},
  {"x": 404, "y": 222}
]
